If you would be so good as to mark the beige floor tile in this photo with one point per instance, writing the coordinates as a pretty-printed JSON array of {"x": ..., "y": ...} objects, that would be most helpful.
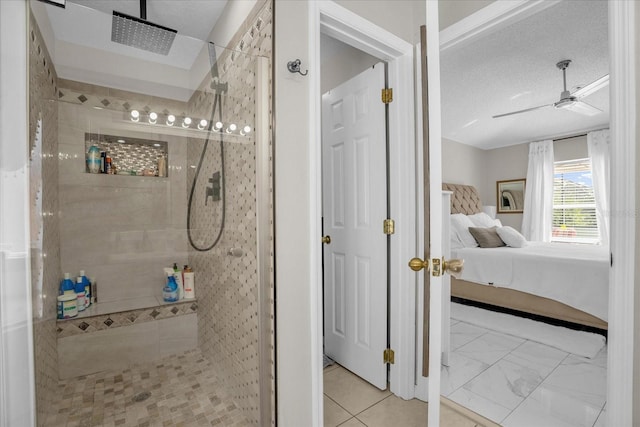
[
  {"x": 330, "y": 368},
  {"x": 353, "y": 422},
  {"x": 334, "y": 415},
  {"x": 350, "y": 391},
  {"x": 394, "y": 411},
  {"x": 451, "y": 418}
]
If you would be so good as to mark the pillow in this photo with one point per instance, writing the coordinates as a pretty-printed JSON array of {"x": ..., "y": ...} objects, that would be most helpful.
[
  {"x": 456, "y": 243},
  {"x": 460, "y": 223},
  {"x": 512, "y": 237},
  {"x": 483, "y": 220},
  {"x": 486, "y": 237}
]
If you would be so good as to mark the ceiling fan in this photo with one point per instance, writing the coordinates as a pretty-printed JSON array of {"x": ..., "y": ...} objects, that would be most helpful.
[{"x": 571, "y": 101}]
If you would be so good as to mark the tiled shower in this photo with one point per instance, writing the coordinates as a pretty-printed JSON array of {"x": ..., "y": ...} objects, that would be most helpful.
[{"x": 124, "y": 229}]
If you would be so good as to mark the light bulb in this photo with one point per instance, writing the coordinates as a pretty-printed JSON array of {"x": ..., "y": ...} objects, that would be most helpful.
[
  {"x": 186, "y": 122},
  {"x": 247, "y": 129},
  {"x": 135, "y": 115},
  {"x": 153, "y": 117},
  {"x": 203, "y": 124},
  {"x": 171, "y": 119},
  {"x": 232, "y": 127},
  {"x": 218, "y": 125}
]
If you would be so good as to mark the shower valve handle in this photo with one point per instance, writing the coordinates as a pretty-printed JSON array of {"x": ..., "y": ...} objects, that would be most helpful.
[{"x": 209, "y": 193}]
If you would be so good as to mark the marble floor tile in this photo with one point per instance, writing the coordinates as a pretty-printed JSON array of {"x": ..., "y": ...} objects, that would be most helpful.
[
  {"x": 550, "y": 408},
  {"x": 334, "y": 415},
  {"x": 581, "y": 381},
  {"x": 394, "y": 411},
  {"x": 480, "y": 405},
  {"x": 602, "y": 419},
  {"x": 542, "y": 357},
  {"x": 599, "y": 360},
  {"x": 350, "y": 391},
  {"x": 463, "y": 333},
  {"x": 490, "y": 347},
  {"x": 461, "y": 369},
  {"x": 506, "y": 383}
]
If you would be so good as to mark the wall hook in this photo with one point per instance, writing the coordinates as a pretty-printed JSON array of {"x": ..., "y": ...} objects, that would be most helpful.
[{"x": 294, "y": 67}]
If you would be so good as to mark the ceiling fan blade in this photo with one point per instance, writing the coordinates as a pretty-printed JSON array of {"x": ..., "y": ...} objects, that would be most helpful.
[
  {"x": 582, "y": 108},
  {"x": 592, "y": 87},
  {"x": 521, "y": 111}
]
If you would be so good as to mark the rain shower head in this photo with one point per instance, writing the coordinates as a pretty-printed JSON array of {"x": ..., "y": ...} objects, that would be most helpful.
[{"x": 140, "y": 33}]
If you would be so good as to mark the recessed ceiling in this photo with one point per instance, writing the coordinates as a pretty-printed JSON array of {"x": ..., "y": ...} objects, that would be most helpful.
[
  {"x": 515, "y": 68},
  {"x": 81, "y": 48}
]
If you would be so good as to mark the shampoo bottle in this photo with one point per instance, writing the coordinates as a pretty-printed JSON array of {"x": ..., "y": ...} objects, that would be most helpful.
[
  {"x": 93, "y": 159},
  {"x": 80, "y": 294},
  {"x": 179, "y": 280},
  {"x": 189, "y": 279},
  {"x": 87, "y": 288},
  {"x": 66, "y": 286}
]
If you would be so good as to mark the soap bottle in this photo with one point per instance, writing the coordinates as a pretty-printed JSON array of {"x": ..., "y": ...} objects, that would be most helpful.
[
  {"x": 79, "y": 288},
  {"x": 93, "y": 159},
  {"x": 87, "y": 288},
  {"x": 179, "y": 280},
  {"x": 189, "y": 281},
  {"x": 94, "y": 290},
  {"x": 66, "y": 286},
  {"x": 162, "y": 166},
  {"x": 170, "y": 291}
]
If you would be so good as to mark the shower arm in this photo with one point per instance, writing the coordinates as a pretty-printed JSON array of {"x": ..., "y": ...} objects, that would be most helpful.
[{"x": 143, "y": 9}]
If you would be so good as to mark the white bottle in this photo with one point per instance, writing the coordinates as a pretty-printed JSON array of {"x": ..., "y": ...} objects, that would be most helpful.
[
  {"x": 189, "y": 282},
  {"x": 82, "y": 303}
]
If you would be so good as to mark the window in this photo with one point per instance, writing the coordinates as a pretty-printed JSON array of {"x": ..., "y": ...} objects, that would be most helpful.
[{"x": 574, "y": 205}]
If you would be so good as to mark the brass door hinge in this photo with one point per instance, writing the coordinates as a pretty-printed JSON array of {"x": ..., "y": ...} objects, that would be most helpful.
[
  {"x": 387, "y": 95},
  {"x": 389, "y": 226},
  {"x": 388, "y": 356}
]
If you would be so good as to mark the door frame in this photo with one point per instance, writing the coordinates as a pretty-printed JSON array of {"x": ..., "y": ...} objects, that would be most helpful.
[
  {"x": 338, "y": 22},
  {"x": 622, "y": 57}
]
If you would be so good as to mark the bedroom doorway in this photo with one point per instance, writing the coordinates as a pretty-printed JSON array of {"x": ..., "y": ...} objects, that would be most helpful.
[{"x": 496, "y": 354}]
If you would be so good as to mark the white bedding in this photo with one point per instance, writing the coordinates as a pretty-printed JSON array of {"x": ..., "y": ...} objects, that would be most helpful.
[{"x": 576, "y": 275}]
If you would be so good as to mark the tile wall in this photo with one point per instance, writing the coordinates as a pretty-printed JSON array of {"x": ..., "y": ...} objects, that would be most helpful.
[
  {"x": 226, "y": 286},
  {"x": 45, "y": 260},
  {"x": 122, "y": 230}
]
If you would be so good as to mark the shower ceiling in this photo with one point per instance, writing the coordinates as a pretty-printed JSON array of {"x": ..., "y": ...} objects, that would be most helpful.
[{"x": 78, "y": 38}]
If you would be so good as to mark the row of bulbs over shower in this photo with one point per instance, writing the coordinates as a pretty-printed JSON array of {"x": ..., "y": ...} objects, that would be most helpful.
[{"x": 187, "y": 122}]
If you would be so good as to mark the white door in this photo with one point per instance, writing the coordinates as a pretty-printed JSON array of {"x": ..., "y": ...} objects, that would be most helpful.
[{"x": 354, "y": 205}]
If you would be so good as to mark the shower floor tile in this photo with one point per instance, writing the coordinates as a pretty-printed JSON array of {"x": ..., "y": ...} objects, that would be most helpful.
[{"x": 180, "y": 390}]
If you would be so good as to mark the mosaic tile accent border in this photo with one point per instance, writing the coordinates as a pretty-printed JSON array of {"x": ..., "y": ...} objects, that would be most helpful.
[{"x": 85, "y": 325}]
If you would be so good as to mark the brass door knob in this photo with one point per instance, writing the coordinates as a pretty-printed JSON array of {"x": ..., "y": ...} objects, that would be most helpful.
[
  {"x": 326, "y": 240},
  {"x": 416, "y": 264},
  {"x": 454, "y": 267}
]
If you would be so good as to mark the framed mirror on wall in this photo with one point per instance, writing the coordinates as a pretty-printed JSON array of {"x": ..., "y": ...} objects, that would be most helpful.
[{"x": 510, "y": 195}]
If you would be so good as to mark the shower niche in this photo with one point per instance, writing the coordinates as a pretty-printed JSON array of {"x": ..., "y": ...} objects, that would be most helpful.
[{"x": 128, "y": 156}]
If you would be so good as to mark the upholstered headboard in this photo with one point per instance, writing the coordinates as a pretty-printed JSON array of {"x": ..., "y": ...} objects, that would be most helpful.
[{"x": 464, "y": 200}]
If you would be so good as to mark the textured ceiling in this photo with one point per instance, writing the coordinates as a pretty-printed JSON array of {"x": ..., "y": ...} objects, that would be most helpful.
[{"x": 514, "y": 69}]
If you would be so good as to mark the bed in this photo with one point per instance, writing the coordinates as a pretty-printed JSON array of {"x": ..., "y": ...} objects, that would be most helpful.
[{"x": 559, "y": 281}]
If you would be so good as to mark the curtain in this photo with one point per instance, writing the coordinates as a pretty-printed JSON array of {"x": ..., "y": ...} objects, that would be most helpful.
[
  {"x": 537, "y": 218},
  {"x": 598, "y": 143}
]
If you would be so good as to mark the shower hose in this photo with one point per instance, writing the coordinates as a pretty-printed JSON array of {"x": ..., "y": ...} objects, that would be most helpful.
[{"x": 217, "y": 104}]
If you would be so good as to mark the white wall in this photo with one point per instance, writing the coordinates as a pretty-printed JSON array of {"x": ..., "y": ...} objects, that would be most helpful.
[
  {"x": 464, "y": 164},
  {"x": 452, "y": 11},
  {"x": 340, "y": 62},
  {"x": 400, "y": 17},
  {"x": 295, "y": 382}
]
